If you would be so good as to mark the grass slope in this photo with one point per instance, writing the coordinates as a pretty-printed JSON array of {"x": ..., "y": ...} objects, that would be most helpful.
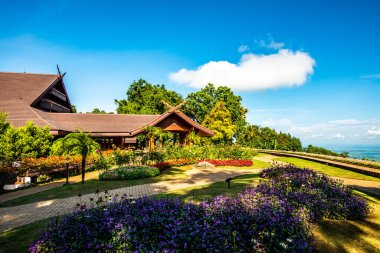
[{"x": 326, "y": 169}]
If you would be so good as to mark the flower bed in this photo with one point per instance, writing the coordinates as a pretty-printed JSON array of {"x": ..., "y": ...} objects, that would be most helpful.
[
  {"x": 169, "y": 225},
  {"x": 324, "y": 197},
  {"x": 236, "y": 163},
  {"x": 180, "y": 162},
  {"x": 129, "y": 173}
]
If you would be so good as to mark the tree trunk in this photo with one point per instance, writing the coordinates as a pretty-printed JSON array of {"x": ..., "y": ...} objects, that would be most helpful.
[{"x": 83, "y": 167}]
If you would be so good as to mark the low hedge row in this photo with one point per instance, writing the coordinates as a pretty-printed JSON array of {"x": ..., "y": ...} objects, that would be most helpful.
[{"x": 129, "y": 173}]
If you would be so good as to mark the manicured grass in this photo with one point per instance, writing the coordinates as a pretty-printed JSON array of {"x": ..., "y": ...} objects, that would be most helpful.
[
  {"x": 350, "y": 236},
  {"x": 90, "y": 186},
  {"x": 326, "y": 169},
  {"x": 199, "y": 193},
  {"x": 19, "y": 239}
]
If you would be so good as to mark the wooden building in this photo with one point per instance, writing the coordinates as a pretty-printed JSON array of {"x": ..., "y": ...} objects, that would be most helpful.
[{"x": 43, "y": 99}]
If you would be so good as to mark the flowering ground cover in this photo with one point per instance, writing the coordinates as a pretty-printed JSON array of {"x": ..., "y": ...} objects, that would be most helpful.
[{"x": 275, "y": 216}]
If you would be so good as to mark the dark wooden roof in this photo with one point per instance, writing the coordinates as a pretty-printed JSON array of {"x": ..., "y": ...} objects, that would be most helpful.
[{"x": 20, "y": 92}]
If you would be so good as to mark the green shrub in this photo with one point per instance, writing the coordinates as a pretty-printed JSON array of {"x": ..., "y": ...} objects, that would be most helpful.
[
  {"x": 222, "y": 152},
  {"x": 129, "y": 173}
]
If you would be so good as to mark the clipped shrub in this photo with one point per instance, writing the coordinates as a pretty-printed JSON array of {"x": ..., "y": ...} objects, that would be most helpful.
[{"x": 129, "y": 173}]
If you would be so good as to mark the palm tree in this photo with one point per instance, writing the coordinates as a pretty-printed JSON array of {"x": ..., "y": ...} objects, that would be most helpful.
[{"x": 80, "y": 143}]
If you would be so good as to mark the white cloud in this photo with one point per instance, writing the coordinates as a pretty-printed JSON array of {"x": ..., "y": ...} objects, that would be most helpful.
[
  {"x": 339, "y": 136},
  {"x": 243, "y": 48},
  {"x": 270, "y": 43},
  {"x": 373, "y": 76},
  {"x": 345, "y": 122},
  {"x": 374, "y": 131},
  {"x": 254, "y": 72},
  {"x": 277, "y": 123}
]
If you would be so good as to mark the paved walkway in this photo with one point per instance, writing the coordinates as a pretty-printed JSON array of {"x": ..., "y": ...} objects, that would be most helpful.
[{"x": 12, "y": 217}]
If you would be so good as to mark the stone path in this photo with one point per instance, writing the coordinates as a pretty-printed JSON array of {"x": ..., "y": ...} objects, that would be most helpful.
[{"x": 12, "y": 217}]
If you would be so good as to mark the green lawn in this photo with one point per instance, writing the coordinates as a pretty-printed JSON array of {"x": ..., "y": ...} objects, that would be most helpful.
[
  {"x": 19, "y": 239},
  {"x": 199, "y": 193},
  {"x": 326, "y": 169},
  {"x": 90, "y": 186}
]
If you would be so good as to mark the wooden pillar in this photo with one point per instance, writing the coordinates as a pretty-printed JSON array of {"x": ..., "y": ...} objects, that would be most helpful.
[{"x": 182, "y": 138}]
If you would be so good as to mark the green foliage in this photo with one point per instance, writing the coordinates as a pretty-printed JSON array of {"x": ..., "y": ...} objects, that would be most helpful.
[
  {"x": 220, "y": 122},
  {"x": 145, "y": 98},
  {"x": 80, "y": 143},
  {"x": 98, "y": 111},
  {"x": 199, "y": 104},
  {"x": 129, "y": 173},
  {"x": 27, "y": 141},
  {"x": 266, "y": 138},
  {"x": 323, "y": 151},
  {"x": 223, "y": 152},
  {"x": 3, "y": 123},
  {"x": 73, "y": 108}
]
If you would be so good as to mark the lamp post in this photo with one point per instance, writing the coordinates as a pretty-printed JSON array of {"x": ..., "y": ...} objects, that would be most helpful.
[{"x": 67, "y": 170}]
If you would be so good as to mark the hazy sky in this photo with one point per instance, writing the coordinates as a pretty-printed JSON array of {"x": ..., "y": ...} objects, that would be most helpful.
[{"x": 311, "y": 68}]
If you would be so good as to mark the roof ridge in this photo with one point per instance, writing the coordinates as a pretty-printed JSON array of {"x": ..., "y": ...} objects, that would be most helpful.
[
  {"x": 41, "y": 118},
  {"x": 28, "y": 73}
]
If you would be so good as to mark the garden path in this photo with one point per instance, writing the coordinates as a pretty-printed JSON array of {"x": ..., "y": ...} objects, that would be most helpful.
[{"x": 12, "y": 217}]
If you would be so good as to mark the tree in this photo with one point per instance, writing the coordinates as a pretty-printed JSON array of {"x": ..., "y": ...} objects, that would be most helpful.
[
  {"x": 220, "y": 122},
  {"x": 145, "y": 98},
  {"x": 98, "y": 111},
  {"x": 3, "y": 123},
  {"x": 80, "y": 143},
  {"x": 73, "y": 108},
  {"x": 266, "y": 138},
  {"x": 27, "y": 141},
  {"x": 199, "y": 105}
]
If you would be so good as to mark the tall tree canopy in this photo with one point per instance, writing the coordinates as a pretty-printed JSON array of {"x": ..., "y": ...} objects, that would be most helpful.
[
  {"x": 266, "y": 138},
  {"x": 199, "y": 104},
  {"x": 145, "y": 98},
  {"x": 220, "y": 122}
]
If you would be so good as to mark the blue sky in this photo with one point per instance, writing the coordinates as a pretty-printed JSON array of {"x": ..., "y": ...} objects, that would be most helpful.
[{"x": 311, "y": 68}]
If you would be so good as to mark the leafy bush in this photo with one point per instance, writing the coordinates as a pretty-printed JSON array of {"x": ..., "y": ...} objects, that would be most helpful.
[
  {"x": 322, "y": 196},
  {"x": 129, "y": 172},
  {"x": 208, "y": 152},
  {"x": 323, "y": 151},
  {"x": 236, "y": 163}
]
